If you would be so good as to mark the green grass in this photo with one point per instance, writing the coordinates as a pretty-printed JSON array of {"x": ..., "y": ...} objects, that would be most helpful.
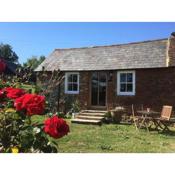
[{"x": 112, "y": 138}]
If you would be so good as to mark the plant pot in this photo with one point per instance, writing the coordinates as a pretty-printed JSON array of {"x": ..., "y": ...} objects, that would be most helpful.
[
  {"x": 116, "y": 115},
  {"x": 74, "y": 114}
]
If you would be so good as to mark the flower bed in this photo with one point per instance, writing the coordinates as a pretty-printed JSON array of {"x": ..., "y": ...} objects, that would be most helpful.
[{"x": 17, "y": 133}]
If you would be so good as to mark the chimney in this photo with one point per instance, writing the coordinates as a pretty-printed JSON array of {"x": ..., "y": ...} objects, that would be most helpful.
[{"x": 171, "y": 50}]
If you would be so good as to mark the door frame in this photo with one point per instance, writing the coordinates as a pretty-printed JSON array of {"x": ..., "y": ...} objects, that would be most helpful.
[{"x": 90, "y": 95}]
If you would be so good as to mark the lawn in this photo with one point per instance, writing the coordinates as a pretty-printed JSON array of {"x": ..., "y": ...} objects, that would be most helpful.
[{"x": 113, "y": 138}]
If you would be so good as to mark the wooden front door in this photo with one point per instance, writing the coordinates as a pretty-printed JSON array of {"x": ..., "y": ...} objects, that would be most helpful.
[{"x": 98, "y": 89}]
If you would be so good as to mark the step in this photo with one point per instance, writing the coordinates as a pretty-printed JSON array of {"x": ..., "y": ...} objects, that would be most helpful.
[
  {"x": 94, "y": 111},
  {"x": 83, "y": 121},
  {"x": 89, "y": 117},
  {"x": 98, "y": 108},
  {"x": 91, "y": 114}
]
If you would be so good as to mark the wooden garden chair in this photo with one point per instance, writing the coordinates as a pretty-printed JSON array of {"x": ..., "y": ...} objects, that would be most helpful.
[
  {"x": 135, "y": 119},
  {"x": 164, "y": 121}
]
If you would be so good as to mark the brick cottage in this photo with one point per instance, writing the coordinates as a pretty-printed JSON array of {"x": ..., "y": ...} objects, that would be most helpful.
[{"x": 108, "y": 76}]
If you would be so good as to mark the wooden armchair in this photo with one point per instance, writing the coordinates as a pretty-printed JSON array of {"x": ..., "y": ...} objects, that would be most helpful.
[{"x": 164, "y": 121}]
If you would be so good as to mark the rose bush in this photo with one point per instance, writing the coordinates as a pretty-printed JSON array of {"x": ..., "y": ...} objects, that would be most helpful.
[
  {"x": 17, "y": 131},
  {"x": 56, "y": 127}
]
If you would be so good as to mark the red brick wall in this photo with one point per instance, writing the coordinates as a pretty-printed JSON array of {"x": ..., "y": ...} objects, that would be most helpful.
[
  {"x": 84, "y": 94},
  {"x": 154, "y": 88},
  {"x": 83, "y": 97}
]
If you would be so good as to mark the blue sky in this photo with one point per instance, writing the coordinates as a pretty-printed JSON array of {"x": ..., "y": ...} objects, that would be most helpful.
[{"x": 35, "y": 39}]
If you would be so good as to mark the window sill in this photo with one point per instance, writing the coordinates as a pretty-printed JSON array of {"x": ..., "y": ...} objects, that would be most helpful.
[
  {"x": 71, "y": 92},
  {"x": 126, "y": 94}
]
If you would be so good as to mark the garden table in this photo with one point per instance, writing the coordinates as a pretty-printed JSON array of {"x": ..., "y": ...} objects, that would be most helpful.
[
  {"x": 148, "y": 113},
  {"x": 146, "y": 119}
]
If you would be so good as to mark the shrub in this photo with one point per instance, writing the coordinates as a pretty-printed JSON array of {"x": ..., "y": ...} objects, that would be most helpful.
[
  {"x": 108, "y": 117},
  {"x": 17, "y": 132},
  {"x": 75, "y": 106}
]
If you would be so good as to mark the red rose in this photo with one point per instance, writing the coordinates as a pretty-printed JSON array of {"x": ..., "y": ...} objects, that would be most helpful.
[
  {"x": 56, "y": 127},
  {"x": 32, "y": 103},
  {"x": 2, "y": 65},
  {"x": 14, "y": 93},
  {"x": 18, "y": 103}
]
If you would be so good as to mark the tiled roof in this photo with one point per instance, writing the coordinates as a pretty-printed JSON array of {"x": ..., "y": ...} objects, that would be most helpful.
[{"x": 147, "y": 54}]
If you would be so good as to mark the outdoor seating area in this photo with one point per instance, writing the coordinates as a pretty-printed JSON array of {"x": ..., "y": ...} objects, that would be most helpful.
[
  {"x": 147, "y": 118},
  {"x": 143, "y": 118}
]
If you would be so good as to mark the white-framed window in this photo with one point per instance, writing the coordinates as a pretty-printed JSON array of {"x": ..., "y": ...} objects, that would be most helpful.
[
  {"x": 126, "y": 83},
  {"x": 72, "y": 83}
]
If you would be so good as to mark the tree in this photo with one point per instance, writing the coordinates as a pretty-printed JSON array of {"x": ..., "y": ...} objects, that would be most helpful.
[
  {"x": 34, "y": 62},
  {"x": 7, "y": 53}
]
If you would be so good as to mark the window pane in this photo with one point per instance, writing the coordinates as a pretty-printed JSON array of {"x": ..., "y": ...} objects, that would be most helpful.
[
  {"x": 102, "y": 77},
  {"x": 129, "y": 77},
  {"x": 123, "y": 77},
  {"x": 129, "y": 87},
  {"x": 69, "y": 78},
  {"x": 75, "y": 87},
  {"x": 69, "y": 87},
  {"x": 94, "y": 90},
  {"x": 75, "y": 77},
  {"x": 123, "y": 87}
]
